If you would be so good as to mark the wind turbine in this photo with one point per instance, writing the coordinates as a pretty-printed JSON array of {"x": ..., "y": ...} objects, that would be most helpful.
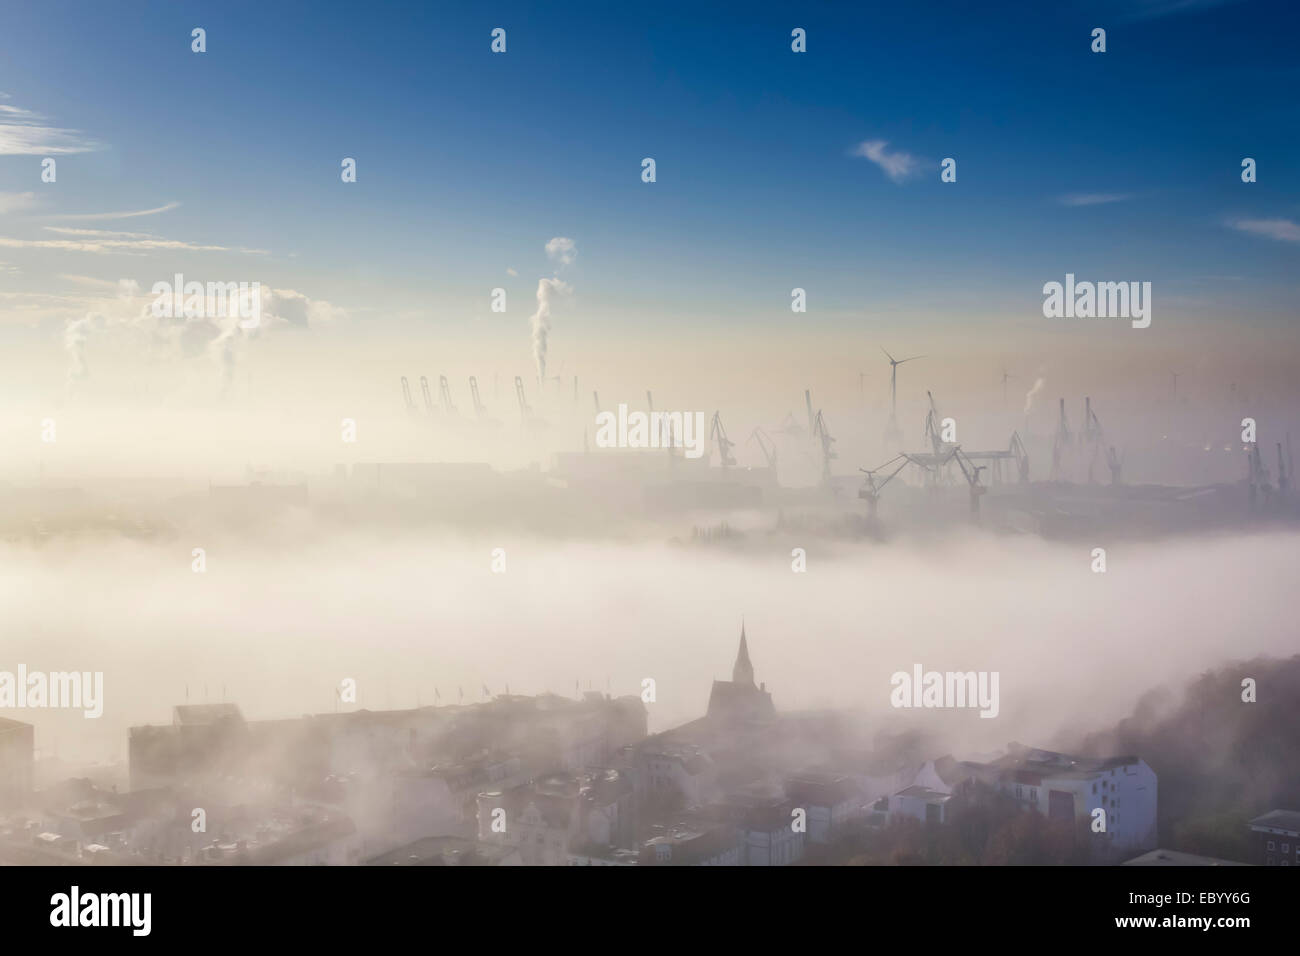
[{"x": 893, "y": 431}]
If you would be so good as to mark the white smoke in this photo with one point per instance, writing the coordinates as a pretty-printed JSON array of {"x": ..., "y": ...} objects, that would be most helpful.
[
  {"x": 1039, "y": 384},
  {"x": 220, "y": 336},
  {"x": 562, "y": 252},
  {"x": 75, "y": 336},
  {"x": 540, "y": 320}
]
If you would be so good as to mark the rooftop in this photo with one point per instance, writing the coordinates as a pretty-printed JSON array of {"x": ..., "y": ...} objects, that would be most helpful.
[
  {"x": 1177, "y": 858},
  {"x": 1287, "y": 820}
]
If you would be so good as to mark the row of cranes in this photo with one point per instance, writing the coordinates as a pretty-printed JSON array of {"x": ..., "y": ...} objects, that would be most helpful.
[
  {"x": 1261, "y": 488},
  {"x": 1093, "y": 442},
  {"x": 447, "y": 410}
]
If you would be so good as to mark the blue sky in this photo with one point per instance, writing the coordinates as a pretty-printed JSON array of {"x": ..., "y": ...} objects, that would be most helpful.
[{"x": 468, "y": 161}]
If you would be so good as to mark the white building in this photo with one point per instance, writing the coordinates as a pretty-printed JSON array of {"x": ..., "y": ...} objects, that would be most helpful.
[
  {"x": 920, "y": 803},
  {"x": 1065, "y": 787}
]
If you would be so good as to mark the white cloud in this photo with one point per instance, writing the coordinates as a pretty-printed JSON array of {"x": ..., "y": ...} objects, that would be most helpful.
[
  {"x": 89, "y": 281},
  {"x": 897, "y": 165},
  {"x": 561, "y": 250},
  {"x": 100, "y": 244},
  {"x": 101, "y": 233},
  {"x": 17, "y": 202},
  {"x": 120, "y": 215},
  {"x": 1281, "y": 229},
  {"x": 1093, "y": 199},
  {"x": 25, "y": 133}
]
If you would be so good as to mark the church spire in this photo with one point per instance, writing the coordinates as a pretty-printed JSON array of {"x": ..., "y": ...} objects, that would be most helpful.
[{"x": 743, "y": 671}]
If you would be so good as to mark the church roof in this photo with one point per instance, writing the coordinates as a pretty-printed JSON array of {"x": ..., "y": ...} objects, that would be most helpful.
[{"x": 743, "y": 671}]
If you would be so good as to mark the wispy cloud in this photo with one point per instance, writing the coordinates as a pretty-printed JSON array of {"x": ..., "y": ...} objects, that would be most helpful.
[
  {"x": 1281, "y": 229},
  {"x": 87, "y": 217},
  {"x": 1093, "y": 199},
  {"x": 26, "y": 133},
  {"x": 102, "y": 243},
  {"x": 897, "y": 165},
  {"x": 90, "y": 281},
  {"x": 17, "y": 202},
  {"x": 100, "y": 233}
]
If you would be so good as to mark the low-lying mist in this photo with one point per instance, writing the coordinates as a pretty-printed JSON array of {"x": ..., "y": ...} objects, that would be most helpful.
[{"x": 276, "y": 629}]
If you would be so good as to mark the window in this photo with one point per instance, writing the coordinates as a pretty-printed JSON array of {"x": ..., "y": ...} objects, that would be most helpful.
[
  {"x": 1270, "y": 844},
  {"x": 1094, "y": 787}
]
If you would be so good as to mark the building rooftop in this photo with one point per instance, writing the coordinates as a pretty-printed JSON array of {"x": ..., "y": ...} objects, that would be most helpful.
[
  {"x": 1177, "y": 858},
  {"x": 1287, "y": 821},
  {"x": 192, "y": 715},
  {"x": 924, "y": 793}
]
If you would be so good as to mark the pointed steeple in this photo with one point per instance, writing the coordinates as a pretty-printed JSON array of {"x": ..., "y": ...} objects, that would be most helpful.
[{"x": 743, "y": 671}]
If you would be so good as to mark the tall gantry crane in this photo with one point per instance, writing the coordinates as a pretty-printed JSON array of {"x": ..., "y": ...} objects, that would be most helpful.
[
  {"x": 444, "y": 389},
  {"x": 1116, "y": 464},
  {"x": 971, "y": 471},
  {"x": 718, "y": 435},
  {"x": 525, "y": 410},
  {"x": 406, "y": 395},
  {"x": 870, "y": 491},
  {"x": 1017, "y": 448},
  {"x": 428, "y": 396},
  {"x": 474, "y": 397},
  {"x": 766, "y": 446},
  {"x": 1060, "y": 441},
  {"x": 820, "y": 431}
]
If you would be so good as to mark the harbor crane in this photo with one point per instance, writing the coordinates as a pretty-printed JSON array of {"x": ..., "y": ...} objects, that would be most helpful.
[
  {"x": 820, "y": 431},
  {"x": 406, "y": 395},
  {"x": 972, "y": 473},
  {"x": 718, "y": 435},
  {"x": 870, "y": 491},
  {"x": 1060, "y": 442},
  {"x": 1258, "y": 476},
  {"x": 1116, "y": 464},
  {"x": 473, "y": 396},
  {"x": 1092, "y": 434},
  {"x": 766, "y": 446},
  {"x": 428, "y": 397},
  {"x": 1017, "y": 448},
  {"x": 525, "y": 410},
  {"x": 444, "y": 389}
]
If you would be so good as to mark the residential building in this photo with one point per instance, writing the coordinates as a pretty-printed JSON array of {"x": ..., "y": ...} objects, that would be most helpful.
[{"x": 1277, "y": 838}]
